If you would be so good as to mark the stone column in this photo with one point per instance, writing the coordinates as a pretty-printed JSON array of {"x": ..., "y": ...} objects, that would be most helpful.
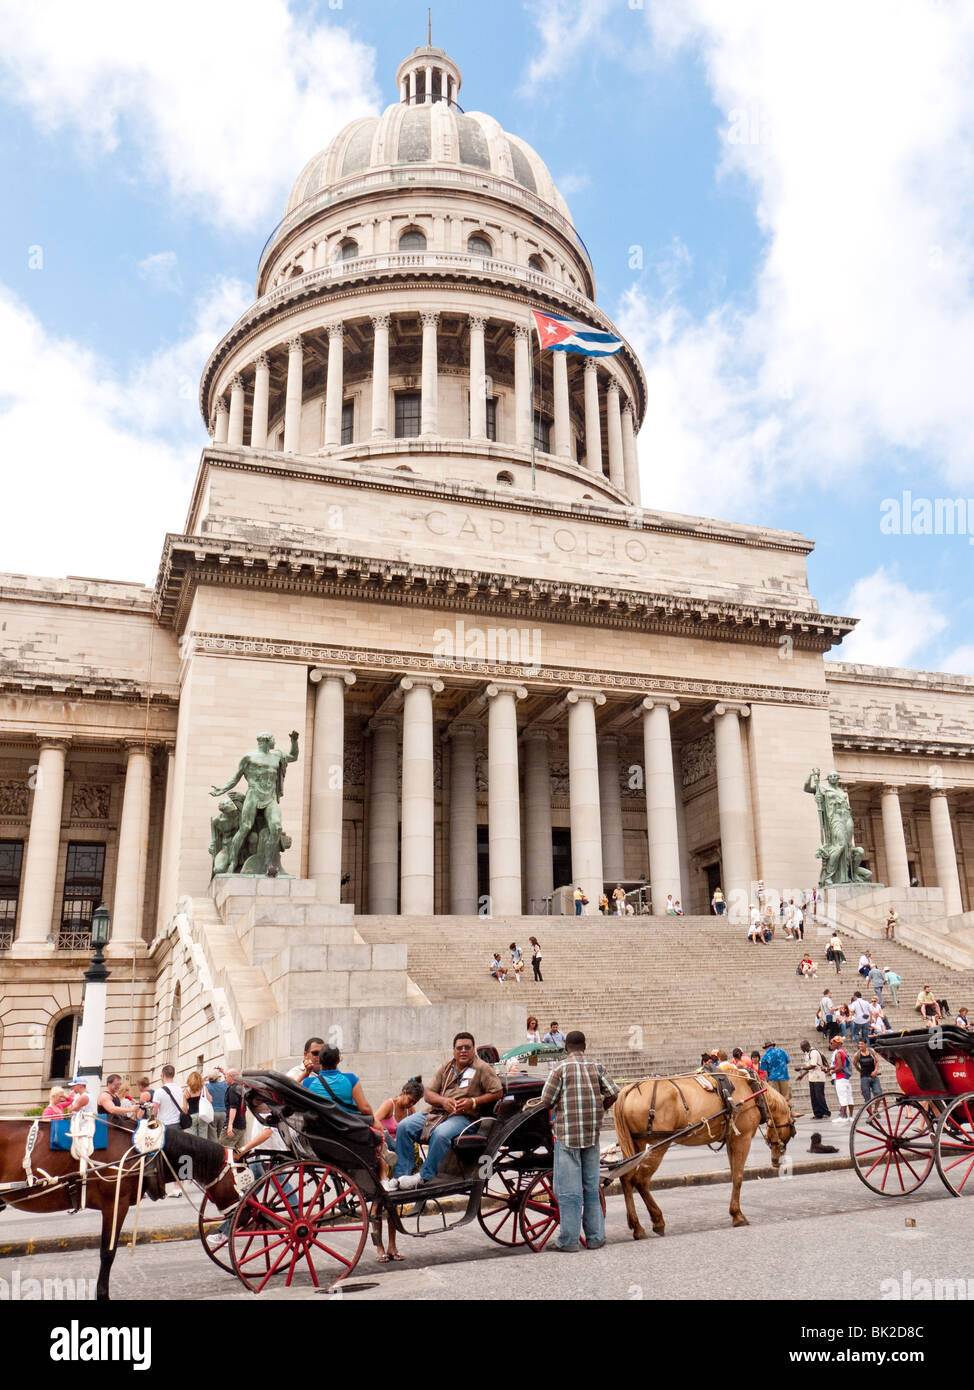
[
  {"x": 944, "y": 853},
  {"x": 735, "y": 829},
  {"x": 328, "y": 783},
  {"x": 429, "y": 86},
  {"x": 563, "y": 426},
  {"x": 523, "y": 405},
  {"x": 222, "y": 421},
  {"x": 335, "y": 387},
  {"x": 416, "y": 871},
  {"x": 167, "y": 868},
  {"x": 463, "y": 820},
  {"x": 235, "y": 426},
  {"x": 43, "y": 843},
  {"x": 403, "y": 90},
  {"x": 593, "y": 428},
  {"x": 429, "y": 415},
  {"x": 133, "y": 843},
  {"x": 610, "y": 801},
  {"x": 583, "y": 792},
  {"x": 478, "y": 378},
  {"x": 412, "y": 87},
  {"x": 294, "y": 395},
  {"x": 630, "y": 456},
  {"x": 503, "y": 799},
  {"x": 617, "y": 474},
  {"x": 380, "y": 376},
  {"x": 894, "y": 840},
  {"x": 384, "y": 817},
  {"x": 662, "y": 825},
  {"x": 262, "y": 387},
  {"x": 537, "y": 815}
]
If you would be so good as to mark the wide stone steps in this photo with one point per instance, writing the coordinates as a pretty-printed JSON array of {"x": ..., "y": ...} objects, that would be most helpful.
[{"x": 653, "y": 993}]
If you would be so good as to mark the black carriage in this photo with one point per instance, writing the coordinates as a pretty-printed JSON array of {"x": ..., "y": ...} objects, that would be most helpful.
[
  {"x": 311, "y": 1210},
  {"x": 897, "y": 1138}
]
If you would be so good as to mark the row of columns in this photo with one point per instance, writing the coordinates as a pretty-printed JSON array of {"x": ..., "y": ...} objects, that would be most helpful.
[
  {"x": 401, "y": 876},
  {"x": 944, "y": 849},
  {"x": 409, "y": 83},
  {"x": 621, "y": 430},
  {"x": 44, "y": 839}
]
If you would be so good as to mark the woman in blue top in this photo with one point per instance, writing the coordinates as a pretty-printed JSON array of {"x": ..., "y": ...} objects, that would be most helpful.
[{"x": 344, "y": 1086}]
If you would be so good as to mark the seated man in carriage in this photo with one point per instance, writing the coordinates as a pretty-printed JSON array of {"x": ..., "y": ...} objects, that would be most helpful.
[{"x": 457, "y": 1095}]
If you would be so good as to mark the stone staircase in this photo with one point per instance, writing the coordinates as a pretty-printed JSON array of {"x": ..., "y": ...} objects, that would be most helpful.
[{"x": 651, "y": 993}]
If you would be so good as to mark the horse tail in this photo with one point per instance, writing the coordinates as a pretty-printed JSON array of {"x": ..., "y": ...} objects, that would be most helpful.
[{"x": 627, "y": 1144}]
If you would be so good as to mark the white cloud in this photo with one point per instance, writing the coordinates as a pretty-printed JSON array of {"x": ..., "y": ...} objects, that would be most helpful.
[
  {"x": 895, "y": 622},
  {"x": 854, "y": 126},
  {"x": 960, "y": 661},
  {"x": 566, "y": 28},
  {"x": 572, "y": 182},
  {"x": 224, "y": 101},
  {"x": 161, "y": 272},
  {"x": 98, "y": 466},
  {"x": 852, "y": 129}
]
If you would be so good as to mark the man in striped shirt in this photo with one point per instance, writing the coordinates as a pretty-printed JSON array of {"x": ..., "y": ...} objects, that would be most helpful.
[{"x": 577, "y": 1092}]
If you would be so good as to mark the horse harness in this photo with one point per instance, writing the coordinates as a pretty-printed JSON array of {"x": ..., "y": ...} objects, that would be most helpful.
[
  {"x": 730, "y": 1108},
  {"x": 146, "y": 1149}
]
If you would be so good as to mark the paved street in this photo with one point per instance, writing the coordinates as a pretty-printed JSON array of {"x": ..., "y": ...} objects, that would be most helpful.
[{"x": 815, "y": 1236}]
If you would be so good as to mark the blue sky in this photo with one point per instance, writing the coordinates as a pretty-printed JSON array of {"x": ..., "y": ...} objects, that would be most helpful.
[{"x": 776, "y": 198}]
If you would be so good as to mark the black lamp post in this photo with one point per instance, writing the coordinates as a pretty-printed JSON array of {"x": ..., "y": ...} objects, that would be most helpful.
[{"x": 91, "y": 1034}]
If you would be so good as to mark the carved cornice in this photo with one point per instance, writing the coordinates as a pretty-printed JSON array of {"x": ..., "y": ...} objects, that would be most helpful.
[
  {"x": 86, "y": 688},
  {"x": 369, "y": 659},
  {"x": 190, "y": 561},
  {"x": 851, "y": 741}
]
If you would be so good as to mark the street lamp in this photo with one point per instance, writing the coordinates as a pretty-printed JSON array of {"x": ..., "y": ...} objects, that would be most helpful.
[{"x": 91, "y": 1034}]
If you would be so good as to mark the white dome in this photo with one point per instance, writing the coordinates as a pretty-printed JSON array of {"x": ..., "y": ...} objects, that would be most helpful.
[{"x": 435, "y": 134}]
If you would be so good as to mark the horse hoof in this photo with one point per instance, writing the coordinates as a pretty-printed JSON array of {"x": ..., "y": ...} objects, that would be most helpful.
[
  {"x": 639, "y": 1235},
  {"x": 659, "y": 1230},
  {"x": 741, "y": 1221}
]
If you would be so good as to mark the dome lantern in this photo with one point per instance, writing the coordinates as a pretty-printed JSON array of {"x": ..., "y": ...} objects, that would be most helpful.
[{"x": 427, "y": 76}]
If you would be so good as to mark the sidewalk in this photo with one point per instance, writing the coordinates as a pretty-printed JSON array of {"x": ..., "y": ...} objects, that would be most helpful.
[{"x": 23, "y": 1233}]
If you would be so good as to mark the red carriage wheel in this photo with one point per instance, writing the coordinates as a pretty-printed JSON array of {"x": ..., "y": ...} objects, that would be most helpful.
[
  {"x": 500, "y": 1208},
  {"x": 538, "y": 1216},
  {"x": 892, "y": 1146},
  {"x": 300, "y": 1218},
  {"x": 955, "y": 1146},
  {"x": 215, "y": 1241}
]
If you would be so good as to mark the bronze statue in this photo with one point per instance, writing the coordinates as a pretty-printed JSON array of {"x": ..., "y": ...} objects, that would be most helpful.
[
  {"x": 841, "y": 857},
  {"x": 248, "y": 828}
]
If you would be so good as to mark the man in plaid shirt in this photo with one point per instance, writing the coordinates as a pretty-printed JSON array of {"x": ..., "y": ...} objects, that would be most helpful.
[{"x": 577, "y": 1092}]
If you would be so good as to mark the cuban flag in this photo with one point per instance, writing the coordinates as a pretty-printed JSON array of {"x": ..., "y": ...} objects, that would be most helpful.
[{"x": 560, "y": 334}]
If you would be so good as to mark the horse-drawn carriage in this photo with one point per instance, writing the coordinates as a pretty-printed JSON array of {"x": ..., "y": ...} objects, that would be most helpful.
[
  {"x": 896, "y": 1139},
  {"x": 310, "y": 1211}
]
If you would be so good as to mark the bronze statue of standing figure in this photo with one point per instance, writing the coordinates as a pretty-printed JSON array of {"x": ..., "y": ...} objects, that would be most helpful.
[
  {"x": 841, "y": 857},
  {"x": 247, "y": 836}
]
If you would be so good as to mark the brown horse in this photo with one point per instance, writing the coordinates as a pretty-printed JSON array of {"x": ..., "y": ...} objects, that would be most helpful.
[
  {"x": 184, "y": 1157},
  {"x": 682, "y": 1102}
]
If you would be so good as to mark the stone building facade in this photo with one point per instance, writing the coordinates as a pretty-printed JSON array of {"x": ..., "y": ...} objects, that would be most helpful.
[{"x": 419, "y": 542}]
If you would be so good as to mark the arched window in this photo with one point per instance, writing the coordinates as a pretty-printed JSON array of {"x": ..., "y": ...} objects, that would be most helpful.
[
  {"x": 536, "y": 263},
  {"x": 64, "y": 1038},
  {"x": 412, "y": 239},
  {"x": 506, "y": 479},
  {"x": 348, "y": 250},
  {"x": 479, "y": 245}
]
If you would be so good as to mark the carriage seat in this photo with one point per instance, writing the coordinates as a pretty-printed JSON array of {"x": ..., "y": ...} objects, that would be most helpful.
[{"x": 472, "y": 1141}]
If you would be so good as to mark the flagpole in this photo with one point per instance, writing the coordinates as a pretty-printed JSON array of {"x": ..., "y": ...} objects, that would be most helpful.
[{"x": 534, "y": 475}]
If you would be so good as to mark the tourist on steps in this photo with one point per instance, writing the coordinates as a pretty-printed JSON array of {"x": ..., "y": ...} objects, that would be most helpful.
[{"x": 536, "y": 958}]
